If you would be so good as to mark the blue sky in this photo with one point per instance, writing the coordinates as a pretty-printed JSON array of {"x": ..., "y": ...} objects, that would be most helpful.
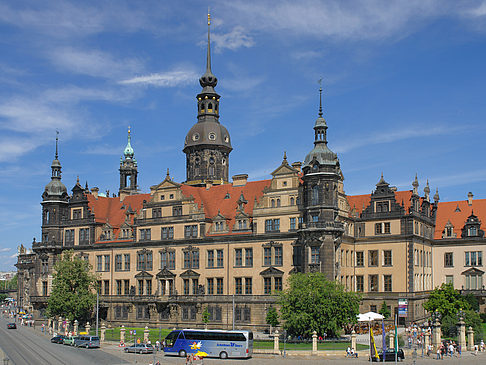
[{"x": 403, "y": 92}]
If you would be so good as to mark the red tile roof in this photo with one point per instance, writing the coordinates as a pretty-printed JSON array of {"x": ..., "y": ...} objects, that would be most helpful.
[
  {"x": 112, "y": 210},
  {"x": 223, "y": 198},
  {"x": 360, "y": 202},
  {"x": 447, "y": 212}
]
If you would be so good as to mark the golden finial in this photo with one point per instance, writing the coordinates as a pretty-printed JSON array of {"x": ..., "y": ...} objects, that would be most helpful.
[
  {"x": 209, "y": 17},
  {"x": 128, "y": 129}
]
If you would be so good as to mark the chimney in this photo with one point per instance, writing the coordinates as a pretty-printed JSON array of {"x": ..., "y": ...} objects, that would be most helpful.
[
  {"x": 95, "y": 191},
  {"x": 240, "y": 180},
  {"x": 470, "y": 198},
  {"x": 297, "y": 165}
]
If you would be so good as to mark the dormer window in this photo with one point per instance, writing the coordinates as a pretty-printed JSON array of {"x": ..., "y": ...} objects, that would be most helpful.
[{"x": 473, "y": 231}]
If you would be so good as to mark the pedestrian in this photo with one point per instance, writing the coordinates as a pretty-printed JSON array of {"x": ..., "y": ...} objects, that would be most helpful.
[
  {"x": 459, "y": 350},
  {"x": 438, "y": 353},
  {"x": 157, "y": 345}
]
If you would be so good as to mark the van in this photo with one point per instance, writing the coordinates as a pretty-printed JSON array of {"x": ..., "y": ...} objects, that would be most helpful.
[{"x": 87, "y": 341}]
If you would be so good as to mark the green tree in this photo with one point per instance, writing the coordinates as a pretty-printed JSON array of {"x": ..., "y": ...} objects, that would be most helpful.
[
  {"x": 12, "y": 283},
  {"x": 446, "y": 300},
  {"x": 73, "y": 288},
  {"x": 272, "y": 318},
  {"x": 384, "y": 311},
  {"x": 313, "y": 303},
  {"x": 205, "y": 316}
]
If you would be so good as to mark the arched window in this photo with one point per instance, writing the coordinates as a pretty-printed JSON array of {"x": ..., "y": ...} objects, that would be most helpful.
[
  {"x": 315, "y": 195},
  {"x": 272, "y": 203},
  {"x": 278, "y": 202},
  {"x": 210, "y": 107},
  {"x": 292, "y": 201}
]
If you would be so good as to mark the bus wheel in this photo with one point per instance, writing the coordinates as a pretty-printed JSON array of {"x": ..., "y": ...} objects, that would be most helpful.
[
  {"x": 182, "y": 353},
  {"x": 223, "y": 355}
]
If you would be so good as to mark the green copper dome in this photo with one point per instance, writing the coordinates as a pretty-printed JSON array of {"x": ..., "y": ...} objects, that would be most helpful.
[{"x": 128, "y": 152}]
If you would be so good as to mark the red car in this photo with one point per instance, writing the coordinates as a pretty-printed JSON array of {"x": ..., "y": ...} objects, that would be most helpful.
[{"x": 11, "y": 326}]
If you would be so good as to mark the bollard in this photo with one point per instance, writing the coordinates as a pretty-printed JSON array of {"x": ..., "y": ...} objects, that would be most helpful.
[
  {"x": 88, "y": 328},
  {"x": 276, "y": 347},
  {"x": 122, "y": 334},
  {"x": 103, "y": 331},
  {"x": 76, "y": 327},
  {"x": 66, "y": 330},
  {"x": 353, "y": 340},
  {"x": 392, "y": 340},
  {"x": 314, "y": 343},
  {"x": 470, "y": 339},
  {"x": 462, "y": 333},
  {"x": 146, "y": 334}
]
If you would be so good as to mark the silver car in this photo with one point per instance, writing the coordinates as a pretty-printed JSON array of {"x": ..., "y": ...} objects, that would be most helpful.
[{"x": 140, "y": 348}]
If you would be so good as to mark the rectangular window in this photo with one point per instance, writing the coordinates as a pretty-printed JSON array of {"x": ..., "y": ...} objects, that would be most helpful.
[
  {"x": 474, "y": 258},
  {"x": 99, "y": 263},
  {"x": 248, "y": 286},
  {"x": 238, "y": 286},
  {"x": 449, "y": 279},
  {"x": 267, "y": 256},
  {"x": 387, "y": 283},
  {"x": 44, "y": 265},
  {"x": 387, "y": 258},
  {"x": 140, "y": 287},
  {"x": 186, "y": 286},
  {"x": 238, "y": 257},
  {"x": 107, "y": 263},
  {"x": 267, "y": 285},
  {"x": 167, "y": 233},
  {"x": 449, "y": 259},
  {"x": 278, "y": 256},
  {"x": 359, "y": 283},
  {"x": 195, "y": 286},
  {"x": 143, "y": 312},
  {"x": 195, "y": 260},
  {"x": 278, "y": 283},
  {"x": 146, "y": 234},
  {"x": 210, "y": 258},
  {"x": 106, "y": 285},
  {"x": 190, "y": 231},
  {"x": 156, "y": 212},
  {"x": 187, "y": 259},
  {"x": 249, "y": 257},
  {"x": 219, "y": 286},
  {"x": 177, "y": 210},
  {"x": 44, "y": 288},
  {"x": 148, "y": 283},
  {"x": 118, "y": 262},
  {"x": 83, "y": 236},
  {"x": 220, "y": 260},
  {"x": 69, "y": 237},
  {"x": 272, "y": 225},
  {"x": 373, "y": 258},
  {"x": 126, "y": 258},
  {"x": 373, "y": 308},
  {"x": 118, "y": 287},
  {"x": 467, "y": 262},
  {"x": 373, "y": 283},
  {"x": 378, "y": 228},
  {"x": 126, "y": 287},
  {"x": 292, "y": 223},
  {"x": 77, "y": 213},
  {"x": 315, "y": 255},
  {"x": 387, "y": 228},
  {"x": 359, "y": 258},
  {"x": 210, "y": 284}
]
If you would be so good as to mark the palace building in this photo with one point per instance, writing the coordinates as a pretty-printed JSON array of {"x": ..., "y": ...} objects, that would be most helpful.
[{"x": 230, "y": 244}]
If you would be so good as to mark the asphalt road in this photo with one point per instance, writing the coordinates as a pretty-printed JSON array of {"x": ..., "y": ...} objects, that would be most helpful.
[{"x": 23, "y": 346}]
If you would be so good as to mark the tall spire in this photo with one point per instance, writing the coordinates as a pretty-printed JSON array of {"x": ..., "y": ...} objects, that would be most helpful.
[
  {"x": 320, "y": 98},
  {"x": 128, "y": 152},
  {"x": 57, "y": 140},
  {"x": 208, "y": 81}
]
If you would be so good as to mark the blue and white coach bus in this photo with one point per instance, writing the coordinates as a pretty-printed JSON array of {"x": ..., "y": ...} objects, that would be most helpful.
[{"x": 212, "y": 343}]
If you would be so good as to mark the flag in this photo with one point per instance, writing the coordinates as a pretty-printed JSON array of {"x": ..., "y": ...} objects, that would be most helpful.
[{"x": 374, "y": 352}]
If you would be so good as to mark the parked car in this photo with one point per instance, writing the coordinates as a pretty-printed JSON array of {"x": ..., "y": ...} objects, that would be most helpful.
[
  {"x": 69, "y": 340},
  {"x": 58, "y": 339},
  {"x": 87, "y": 341},
  {"x": 140, "y": 348},
  {"x": 390, "y": 355},
  {"x": 11, "y": 326}
]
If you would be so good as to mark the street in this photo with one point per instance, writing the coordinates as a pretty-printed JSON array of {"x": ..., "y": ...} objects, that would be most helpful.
[{"x": 26, "y": 346}]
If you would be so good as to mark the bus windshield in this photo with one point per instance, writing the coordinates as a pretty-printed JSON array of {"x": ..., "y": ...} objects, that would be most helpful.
[{"x": 171, "y": 338}]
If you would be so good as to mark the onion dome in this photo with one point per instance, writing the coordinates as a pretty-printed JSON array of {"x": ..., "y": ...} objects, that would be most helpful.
[
  {"x": 128, "y": 152},
  {"x": 55, "y": 188},
  {"x": 321, "y": 152}
]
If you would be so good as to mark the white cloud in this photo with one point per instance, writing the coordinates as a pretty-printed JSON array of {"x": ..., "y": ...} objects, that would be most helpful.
[
  {"x": 396, "y": 135},
  {"x": 164, "y": 79},
  {"x": 6, "y": 249},
  {"x": 232, "y": 40},
  {"x": 14, "y": 255},
  {"x": 94, "y": 63}
]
